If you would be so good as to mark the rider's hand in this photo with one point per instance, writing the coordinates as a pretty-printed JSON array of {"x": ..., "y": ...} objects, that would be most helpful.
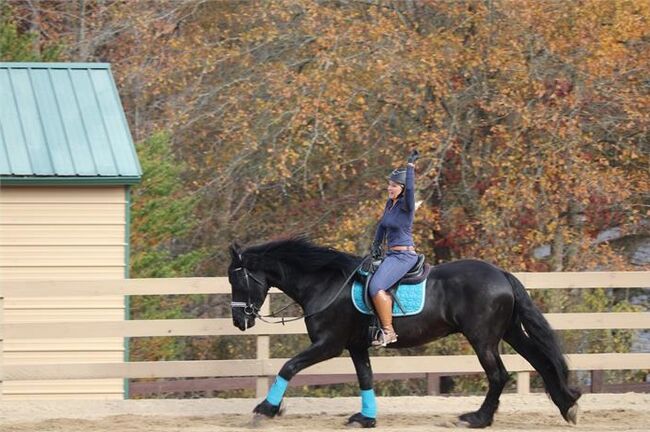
[{"x": 415, "y": 155}]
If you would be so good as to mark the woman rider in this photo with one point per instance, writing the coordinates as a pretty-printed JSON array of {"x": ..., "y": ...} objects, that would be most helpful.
[{"x": 395, "y": 225}]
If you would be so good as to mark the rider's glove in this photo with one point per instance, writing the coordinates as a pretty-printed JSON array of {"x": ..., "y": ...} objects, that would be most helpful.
[{"x": 415, "y": 155}]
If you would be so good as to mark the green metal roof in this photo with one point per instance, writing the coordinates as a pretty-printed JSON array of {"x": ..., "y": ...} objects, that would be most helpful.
[{"x": 63, "y": 123}]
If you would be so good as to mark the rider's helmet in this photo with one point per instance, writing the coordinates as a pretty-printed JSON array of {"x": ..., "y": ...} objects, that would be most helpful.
[{"x": 398, "y": 176}]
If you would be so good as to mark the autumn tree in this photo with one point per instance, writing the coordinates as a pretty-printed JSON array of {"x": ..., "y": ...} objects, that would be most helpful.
[{"x": 17, "y": 44}]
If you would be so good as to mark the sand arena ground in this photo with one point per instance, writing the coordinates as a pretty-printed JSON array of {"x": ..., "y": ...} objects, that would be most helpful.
[{"x": 534, "y": 412}]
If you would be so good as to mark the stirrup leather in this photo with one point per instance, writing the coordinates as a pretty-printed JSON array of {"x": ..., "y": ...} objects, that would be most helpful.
[{"x": 385, "y": 337}]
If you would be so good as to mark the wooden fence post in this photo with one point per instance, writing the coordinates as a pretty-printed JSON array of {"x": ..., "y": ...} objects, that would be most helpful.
[
  {"x": 433, "y": 384},
  {"x": 597, "y": 380},
  {"x": 263, "y": 352},
  {"x": 523, "y": 382}
]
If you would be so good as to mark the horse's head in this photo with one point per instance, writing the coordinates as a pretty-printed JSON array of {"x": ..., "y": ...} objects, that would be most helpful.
[{"x": 248, "y": 287}]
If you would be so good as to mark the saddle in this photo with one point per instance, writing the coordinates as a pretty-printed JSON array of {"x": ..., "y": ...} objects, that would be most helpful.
[{"x": 418, "y": 273}]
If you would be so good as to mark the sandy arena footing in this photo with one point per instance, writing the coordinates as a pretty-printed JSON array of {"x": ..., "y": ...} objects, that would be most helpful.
[{"x": 533, "y": 412}]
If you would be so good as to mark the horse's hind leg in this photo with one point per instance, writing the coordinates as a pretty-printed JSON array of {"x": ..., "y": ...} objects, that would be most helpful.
[
  {"x": 560, "y": 394},
  {"x": 497, "y": 375}
]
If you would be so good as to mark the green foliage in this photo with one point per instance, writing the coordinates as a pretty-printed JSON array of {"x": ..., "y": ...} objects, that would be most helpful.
[
  {"x": 161, "y": 263},
  {"x": 162, "y": 214},
  {"x": 16, "y": 46}
]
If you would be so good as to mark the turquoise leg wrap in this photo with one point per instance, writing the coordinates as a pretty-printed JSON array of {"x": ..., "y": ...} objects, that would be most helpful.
[
  {"x": 368, "y": 403},
  {"x": 276, "y": 392}
]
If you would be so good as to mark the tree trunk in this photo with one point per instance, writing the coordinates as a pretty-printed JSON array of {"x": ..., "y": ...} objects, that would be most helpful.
[
  {"x": 35, "y": 27},
  {"x": 82, "y": 45},
  {"x": 557, "y": 260}
]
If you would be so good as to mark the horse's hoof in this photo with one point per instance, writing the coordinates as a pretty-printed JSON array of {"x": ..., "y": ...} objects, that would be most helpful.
[
  {"x": 359, "y": 420},
  {"x": 266, "y": 409},
  {"x": 473, "y": 420},
  {"x": 572, "y": 414}
]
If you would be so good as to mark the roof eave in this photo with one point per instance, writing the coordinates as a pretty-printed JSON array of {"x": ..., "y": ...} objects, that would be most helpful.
[
  {"x": 69, "y": 181},
  {"x": 54, "y": 65}
]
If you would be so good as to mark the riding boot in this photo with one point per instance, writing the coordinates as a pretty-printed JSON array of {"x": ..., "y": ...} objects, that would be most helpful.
[{"x": 384, "y": 307}]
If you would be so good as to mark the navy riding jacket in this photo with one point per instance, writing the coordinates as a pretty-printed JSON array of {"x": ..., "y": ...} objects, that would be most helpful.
[{"x": 396, "y": 224}]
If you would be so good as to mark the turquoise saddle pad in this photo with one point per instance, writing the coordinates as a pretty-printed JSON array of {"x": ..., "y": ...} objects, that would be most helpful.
[{"x": 410, "y": 297}]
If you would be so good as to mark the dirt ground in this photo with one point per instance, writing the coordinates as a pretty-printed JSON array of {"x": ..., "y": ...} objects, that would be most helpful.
[{"x": 535, "y": 412}]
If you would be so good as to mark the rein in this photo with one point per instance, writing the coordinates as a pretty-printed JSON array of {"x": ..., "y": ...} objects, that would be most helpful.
[{"x": 251, "y": 309}]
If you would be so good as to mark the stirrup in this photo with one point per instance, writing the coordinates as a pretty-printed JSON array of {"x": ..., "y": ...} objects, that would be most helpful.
[{"x": 385, "y": 337}]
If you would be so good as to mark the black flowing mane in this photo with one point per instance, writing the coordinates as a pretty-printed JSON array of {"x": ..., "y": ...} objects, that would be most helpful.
[{"x": 300, "y": 253}]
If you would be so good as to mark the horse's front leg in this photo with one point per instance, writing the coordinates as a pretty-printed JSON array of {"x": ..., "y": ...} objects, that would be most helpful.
[
  {"x": 367, "y": 417},
  {"x": 319, "y": 351}
]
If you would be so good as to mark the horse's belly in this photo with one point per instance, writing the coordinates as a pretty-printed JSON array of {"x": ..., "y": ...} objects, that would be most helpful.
[{"x": 412, "y": 331}]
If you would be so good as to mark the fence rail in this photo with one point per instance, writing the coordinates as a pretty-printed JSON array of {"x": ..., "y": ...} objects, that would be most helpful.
[
  {"x": 224, "y": 326},
  {"x": 209, "y": 385},
  {"x": 219, "y": 285},
  {"x": 263, "y": 367},
  {"x": 340, "y": 365}
]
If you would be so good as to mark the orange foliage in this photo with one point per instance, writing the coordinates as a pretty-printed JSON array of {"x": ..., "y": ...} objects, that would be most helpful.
[{"x": 532, "y": 116}]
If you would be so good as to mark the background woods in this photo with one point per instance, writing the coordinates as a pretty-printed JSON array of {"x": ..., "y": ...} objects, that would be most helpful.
[{"x": 262, "y": 119}]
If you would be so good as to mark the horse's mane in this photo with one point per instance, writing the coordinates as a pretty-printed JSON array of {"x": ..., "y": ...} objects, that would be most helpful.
[{"x": 299, "y": 253}]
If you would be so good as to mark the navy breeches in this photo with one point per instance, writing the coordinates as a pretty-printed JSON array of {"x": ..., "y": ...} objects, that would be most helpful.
[{"x": 394, "y": 266}]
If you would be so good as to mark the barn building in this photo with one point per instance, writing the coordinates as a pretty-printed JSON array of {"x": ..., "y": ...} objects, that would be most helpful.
[{"x": 67, "y": 161}]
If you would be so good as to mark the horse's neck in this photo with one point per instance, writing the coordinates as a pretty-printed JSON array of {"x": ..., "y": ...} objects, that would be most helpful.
[
  {"x": 306, "y": 289},
  {"x": 310, "y": 290},
  {"x": 292, "y": 286}
]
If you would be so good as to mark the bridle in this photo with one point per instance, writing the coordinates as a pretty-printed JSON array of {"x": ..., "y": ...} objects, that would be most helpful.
[{"x": 250, "y": 309}]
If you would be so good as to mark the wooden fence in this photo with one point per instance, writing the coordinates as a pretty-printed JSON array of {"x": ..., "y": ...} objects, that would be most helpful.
[{"x": 262, "y": 367}]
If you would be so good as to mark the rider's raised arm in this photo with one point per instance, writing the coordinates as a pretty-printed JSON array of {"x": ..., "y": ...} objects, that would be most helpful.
[{"x": 409, "y": 189}]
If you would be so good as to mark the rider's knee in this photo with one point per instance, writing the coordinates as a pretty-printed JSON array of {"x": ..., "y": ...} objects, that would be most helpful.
[{"x": 374, "y": 289}]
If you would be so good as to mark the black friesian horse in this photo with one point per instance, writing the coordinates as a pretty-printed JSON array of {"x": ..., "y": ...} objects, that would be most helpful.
[{"x": 475, "y": 298}]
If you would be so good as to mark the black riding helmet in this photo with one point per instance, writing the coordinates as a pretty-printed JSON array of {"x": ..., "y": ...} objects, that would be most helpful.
[{"x": 398, "y": 176}]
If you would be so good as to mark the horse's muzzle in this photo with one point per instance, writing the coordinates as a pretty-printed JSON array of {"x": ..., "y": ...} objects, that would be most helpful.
[{"x": 241, "y": 320}]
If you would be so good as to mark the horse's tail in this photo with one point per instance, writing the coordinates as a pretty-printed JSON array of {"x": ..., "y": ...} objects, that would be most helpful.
[{"x": 542, "y": 335}]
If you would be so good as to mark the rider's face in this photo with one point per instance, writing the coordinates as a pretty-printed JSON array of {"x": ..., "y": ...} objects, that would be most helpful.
[{"x": 394, "y": 189}]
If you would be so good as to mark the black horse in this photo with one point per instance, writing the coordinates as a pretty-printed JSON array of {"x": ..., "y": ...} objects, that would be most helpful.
[{"x": 477, "y": 299}]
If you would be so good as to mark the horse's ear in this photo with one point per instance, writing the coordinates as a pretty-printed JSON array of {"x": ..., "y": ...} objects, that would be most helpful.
[{"x": 235, "y": 252}]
